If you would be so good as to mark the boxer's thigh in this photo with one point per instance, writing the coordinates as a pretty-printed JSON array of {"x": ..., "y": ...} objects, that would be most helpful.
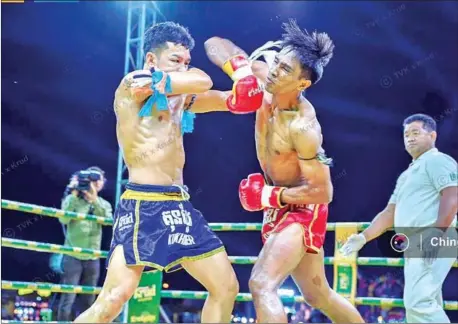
[
  {"x": 121, "y": 277},
  {"x": 206, "y": 260},
  {"x": 215, "y": 272},
  {"x": 280, "y": 255},
  {"x": 310, "y": 276}
]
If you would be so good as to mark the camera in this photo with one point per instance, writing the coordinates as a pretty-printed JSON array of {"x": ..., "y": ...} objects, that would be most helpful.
[
  {"x": 80, "y": 181},
  {"x": 85, "y": 178}
]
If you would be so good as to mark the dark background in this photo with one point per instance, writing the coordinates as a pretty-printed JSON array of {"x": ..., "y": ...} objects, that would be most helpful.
[{"x": 62, "y": 61}]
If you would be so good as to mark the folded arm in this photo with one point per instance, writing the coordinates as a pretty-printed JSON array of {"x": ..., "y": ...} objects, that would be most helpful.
[
  {"x": 248, "y": 91},
  {"x": 212, "y": 100},
  {"x": 138, "y": 83},
  {"x": 318, "y": 189},
  {"x": 220, "y": 50},
  {"x": 255, "y": 195}
]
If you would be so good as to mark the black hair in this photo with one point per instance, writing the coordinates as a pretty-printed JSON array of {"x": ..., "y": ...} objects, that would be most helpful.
[
  {"x": 429, "y": 123},
  {"x": 159, "y": 34},
  {"x": 97, "y": 169},
  {"x": 314, "y": 51}
]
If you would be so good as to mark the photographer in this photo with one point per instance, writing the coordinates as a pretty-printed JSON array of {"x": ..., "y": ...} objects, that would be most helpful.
[{"x": 81, "y": 196}]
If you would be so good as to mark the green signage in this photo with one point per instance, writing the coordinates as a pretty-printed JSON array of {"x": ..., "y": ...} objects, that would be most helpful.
[{"x": 144, "y": 304}]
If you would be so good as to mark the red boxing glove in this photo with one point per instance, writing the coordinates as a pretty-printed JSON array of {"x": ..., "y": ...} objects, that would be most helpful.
[
  {"x": 247, "y": 93},
  {"x": 255, "y": 195}
]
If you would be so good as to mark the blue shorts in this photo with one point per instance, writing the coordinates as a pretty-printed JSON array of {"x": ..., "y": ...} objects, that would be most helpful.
[{"x": 158, "y": 228}]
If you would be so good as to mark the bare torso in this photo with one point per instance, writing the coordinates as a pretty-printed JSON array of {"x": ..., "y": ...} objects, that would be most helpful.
[
  {"x": 275, "y": 148},
  {"x": 152, "y": 146}
]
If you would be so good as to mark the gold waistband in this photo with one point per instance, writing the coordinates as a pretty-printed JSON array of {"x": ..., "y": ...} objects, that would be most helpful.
[{"x": 152, "y": 196}]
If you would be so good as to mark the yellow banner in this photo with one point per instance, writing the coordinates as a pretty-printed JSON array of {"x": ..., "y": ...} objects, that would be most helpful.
[
  {"x": 345, "y": 268},
  {"x": 12, "y": 1}
]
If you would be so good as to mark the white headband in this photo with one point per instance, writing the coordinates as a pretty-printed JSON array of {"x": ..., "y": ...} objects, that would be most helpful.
[{"x": 267, "y": 51}]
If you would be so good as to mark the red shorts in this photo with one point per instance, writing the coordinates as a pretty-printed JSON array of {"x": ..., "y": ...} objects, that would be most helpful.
[{"x": 313, "y": 219}]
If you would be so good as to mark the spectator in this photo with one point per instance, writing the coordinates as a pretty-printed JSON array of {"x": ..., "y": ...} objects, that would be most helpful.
[{"x": 82, "y": 270}]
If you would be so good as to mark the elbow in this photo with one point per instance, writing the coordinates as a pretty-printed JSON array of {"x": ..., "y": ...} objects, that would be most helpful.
[
  {"x": 211, "y": 42},
  {"x": 316, "y": 196},
  {"x": 201, "y": 81},
  {"x": 207, "y": 83},
  {"x": 328, "y": 198},
  {"x": 210, "y": 45},
  {"x": 324, "y": 198},
  {"x": 325, "y": 195},
  {"x": 202, "y": 84}
]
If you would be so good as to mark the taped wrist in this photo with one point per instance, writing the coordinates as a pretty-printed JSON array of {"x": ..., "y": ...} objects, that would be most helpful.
[
  {"x": 237, "y": 67},
  {"x": 271, "y": 197}
]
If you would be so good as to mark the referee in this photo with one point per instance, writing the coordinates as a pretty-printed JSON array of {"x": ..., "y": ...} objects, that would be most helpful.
[{"x": 424, "y": 204}]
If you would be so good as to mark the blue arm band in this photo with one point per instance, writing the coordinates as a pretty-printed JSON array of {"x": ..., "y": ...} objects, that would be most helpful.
[{"x": 157, "y": 98}]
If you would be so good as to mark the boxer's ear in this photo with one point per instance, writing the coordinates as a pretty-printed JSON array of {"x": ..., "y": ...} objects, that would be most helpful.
[
  {"x": 151, "y": 60},
  {"x": 304, "y": 84}
]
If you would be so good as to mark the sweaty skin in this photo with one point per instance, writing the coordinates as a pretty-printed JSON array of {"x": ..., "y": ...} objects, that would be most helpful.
[
  {"x": 275, "y": 134},
  {"x": 152, "y": 146},
  {"x": 153, "y": 152},
  {"x": 288, "y": 140}
]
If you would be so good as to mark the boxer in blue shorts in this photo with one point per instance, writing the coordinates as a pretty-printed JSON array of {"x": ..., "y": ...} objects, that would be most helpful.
[
  {"x": 180, "y": 231},
  {"x": 155, "y": 225}
]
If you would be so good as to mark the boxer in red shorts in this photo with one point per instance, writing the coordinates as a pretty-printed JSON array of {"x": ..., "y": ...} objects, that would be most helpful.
[
  {"x": 296, "y": 186},
  {"x": 313, "y": 219}
]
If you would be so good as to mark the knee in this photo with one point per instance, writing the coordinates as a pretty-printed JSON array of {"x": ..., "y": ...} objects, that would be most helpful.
[
  {"x": 119, "y": 296},
  {"x": 413, "y": 300},
  {"x": 228, "y": 288},
  {"x": 232, "y": 287},
  {"x": 259, "y": 283},
  {"x": 111, "y": 301}
]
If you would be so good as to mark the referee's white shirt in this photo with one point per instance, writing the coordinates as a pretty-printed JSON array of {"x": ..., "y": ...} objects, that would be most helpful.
[{"x": 417, "y": 192}]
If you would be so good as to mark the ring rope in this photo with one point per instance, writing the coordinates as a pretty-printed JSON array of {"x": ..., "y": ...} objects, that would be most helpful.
[
  {"x": 76, "y": 251},
  {"x": 180, "y": 294},
  {"x": 58, "y": 213}
]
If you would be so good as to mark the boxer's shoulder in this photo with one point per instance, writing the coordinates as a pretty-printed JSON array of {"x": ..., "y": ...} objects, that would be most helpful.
[
  {"x": 305, "y": 124},
  {"x": 134, "y": 78},
  {"x": 306, "y": 115}
]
